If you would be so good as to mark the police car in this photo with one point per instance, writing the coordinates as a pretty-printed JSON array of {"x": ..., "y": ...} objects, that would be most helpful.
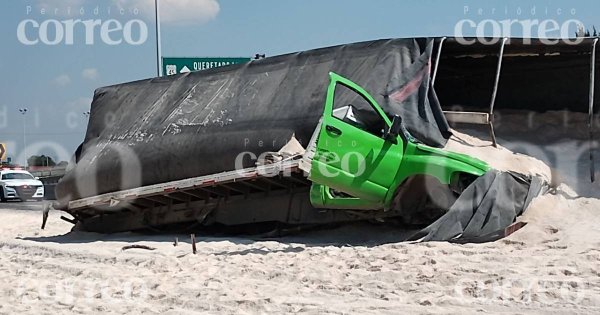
[{"x": 16, "y": 184}]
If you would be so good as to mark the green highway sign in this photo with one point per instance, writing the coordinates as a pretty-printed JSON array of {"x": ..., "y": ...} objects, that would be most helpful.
[{"x": 176, "y": 65}]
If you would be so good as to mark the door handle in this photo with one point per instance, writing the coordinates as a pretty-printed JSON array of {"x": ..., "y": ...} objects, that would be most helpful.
[
  {"x": 328, "y": 156},
  {"x": 333, "y": 130}
]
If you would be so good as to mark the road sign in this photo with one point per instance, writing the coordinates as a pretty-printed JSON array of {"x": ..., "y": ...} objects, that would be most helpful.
[
  {"x": 2, "y": 151},
  {"x": 177, "y": 65}
]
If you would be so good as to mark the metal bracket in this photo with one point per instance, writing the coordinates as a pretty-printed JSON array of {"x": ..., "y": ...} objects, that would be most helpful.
[{"x": 476, "y": 117}]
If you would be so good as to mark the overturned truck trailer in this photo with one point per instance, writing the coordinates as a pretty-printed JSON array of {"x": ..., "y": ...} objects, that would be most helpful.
[
  {"x": 475, "y": 78},
  {"x": 351, "y": 132}
]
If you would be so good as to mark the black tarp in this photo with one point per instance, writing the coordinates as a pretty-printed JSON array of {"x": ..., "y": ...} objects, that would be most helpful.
[
  {"x": 487, "y": 207},
  {"x": 195, "y": 124},
  {"x": 410, "y": 95}
]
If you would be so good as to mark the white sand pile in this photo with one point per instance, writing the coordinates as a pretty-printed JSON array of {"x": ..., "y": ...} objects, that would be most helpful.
[
  {"x": 499, "y": 158},
  {"x": 551, "y": 266},
  {"x": 557, "y": 138}
]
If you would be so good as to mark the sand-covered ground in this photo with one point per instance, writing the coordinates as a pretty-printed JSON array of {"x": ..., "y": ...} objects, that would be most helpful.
[{"x": 551, "y": 266}]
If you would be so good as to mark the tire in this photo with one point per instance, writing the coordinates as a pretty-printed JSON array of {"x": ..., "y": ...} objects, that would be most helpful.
[
  {"x": 2, "y": 199},
  {"x": 441, "y": 196},
  {"x": 422, "y": 199}
]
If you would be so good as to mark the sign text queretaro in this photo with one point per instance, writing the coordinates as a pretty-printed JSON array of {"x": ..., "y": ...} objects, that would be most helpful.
[{"x": 176, "y": 65}]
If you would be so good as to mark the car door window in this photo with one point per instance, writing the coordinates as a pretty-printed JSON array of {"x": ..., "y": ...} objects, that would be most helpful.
[{"x": 354, "y": 109}]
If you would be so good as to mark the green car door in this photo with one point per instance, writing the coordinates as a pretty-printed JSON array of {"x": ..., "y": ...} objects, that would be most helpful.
[{"x": 354, "y": 152}]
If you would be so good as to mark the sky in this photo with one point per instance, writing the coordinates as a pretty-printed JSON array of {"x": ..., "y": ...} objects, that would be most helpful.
[{"x": 53, "y": 72}]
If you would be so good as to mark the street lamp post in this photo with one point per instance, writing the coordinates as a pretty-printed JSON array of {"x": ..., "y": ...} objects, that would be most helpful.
[
  {"x": 23, "y": 111},
  {"x": 158, "y": 44}
]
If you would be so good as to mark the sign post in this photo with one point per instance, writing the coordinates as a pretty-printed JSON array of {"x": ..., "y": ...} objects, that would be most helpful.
[{"x": 177, "y": 65}]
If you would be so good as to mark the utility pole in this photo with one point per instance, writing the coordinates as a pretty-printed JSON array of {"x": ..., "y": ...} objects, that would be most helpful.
[
  {"x": 158, "y": 44},
  {"x": 23, "y": 111}
]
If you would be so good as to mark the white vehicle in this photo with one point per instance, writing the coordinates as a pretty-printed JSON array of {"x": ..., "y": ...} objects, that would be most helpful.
[{"x": 19, "y": 185}]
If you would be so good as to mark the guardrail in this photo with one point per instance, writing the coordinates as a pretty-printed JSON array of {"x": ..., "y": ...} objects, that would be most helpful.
[{"x": 59, "y": 172}]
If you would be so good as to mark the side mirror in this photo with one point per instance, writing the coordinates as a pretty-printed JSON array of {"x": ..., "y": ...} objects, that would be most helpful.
[{"x": 394, "y": 130}]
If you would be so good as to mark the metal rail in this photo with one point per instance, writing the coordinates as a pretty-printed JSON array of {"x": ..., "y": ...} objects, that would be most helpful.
[
  {"x": 591, "y": 110},
  {"x": 202, "y": 187},
  {"x": 437, "y": 61},
  {"x": 495, "y": 93},
  {"x": 58, "y": 172}
]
